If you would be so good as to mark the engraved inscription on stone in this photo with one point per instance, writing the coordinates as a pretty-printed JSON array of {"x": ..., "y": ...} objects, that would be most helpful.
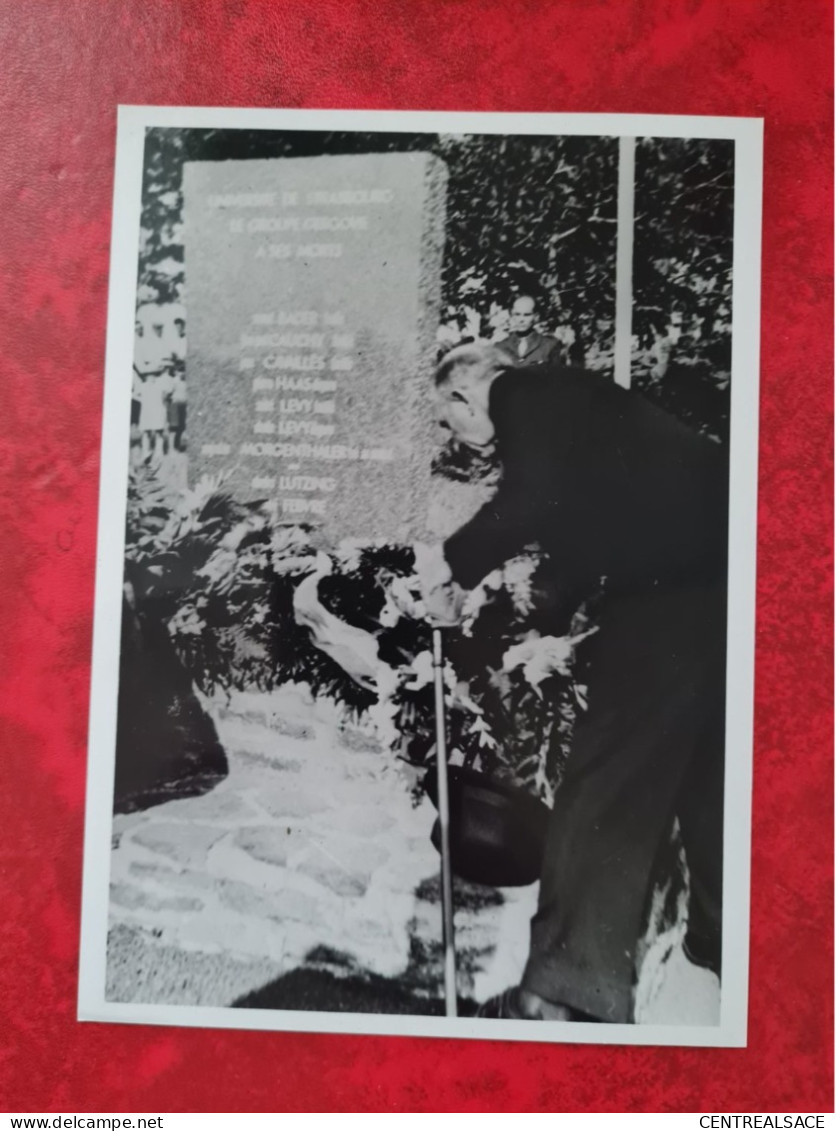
[{"x": 313, "y": 291}]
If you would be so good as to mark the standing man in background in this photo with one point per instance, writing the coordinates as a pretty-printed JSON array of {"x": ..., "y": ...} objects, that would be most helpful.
[
  {"x": 153, "y": 382},
  {"x": 525, "y": 345}
]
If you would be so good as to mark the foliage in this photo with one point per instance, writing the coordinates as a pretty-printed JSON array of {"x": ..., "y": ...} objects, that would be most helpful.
[
  {"x": 221, "y": 575},
  {"x": 150, "y": 500},
  {"x": 682, "y": 257},
  {"x": 682, "y": 277},
  {"x": 532, "y": 215}
]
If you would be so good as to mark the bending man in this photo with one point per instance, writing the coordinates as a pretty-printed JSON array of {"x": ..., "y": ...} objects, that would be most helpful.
[{"x": 611, "y": 488}]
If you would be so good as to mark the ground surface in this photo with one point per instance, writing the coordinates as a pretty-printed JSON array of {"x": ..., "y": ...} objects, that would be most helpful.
[{"x": 307, "y": 880}]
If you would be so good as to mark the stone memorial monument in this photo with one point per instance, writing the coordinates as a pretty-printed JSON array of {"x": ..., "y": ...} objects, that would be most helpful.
[{"x": 312, "y": 294}]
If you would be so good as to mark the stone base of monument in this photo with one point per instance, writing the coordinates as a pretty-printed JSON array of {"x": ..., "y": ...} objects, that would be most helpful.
[
  {"x": 312, "y": 854},
  {"x": 308, "y": 880}
]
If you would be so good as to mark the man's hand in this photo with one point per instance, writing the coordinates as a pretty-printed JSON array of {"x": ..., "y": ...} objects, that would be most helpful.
[
  {"x": 353, "y": 649},
  {"x": 442, "y": 597}
]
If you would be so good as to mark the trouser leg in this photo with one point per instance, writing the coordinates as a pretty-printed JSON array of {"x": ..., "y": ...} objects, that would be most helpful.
[
  {"x": 700, "y": 812},
  {"x": 650, "y": 684}
]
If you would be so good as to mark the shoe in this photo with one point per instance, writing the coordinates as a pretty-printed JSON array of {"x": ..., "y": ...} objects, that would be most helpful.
[{"x": 517, "y": 1004}]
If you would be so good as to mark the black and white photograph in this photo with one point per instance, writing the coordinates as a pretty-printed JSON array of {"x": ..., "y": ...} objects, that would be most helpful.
[{"x": 422, "y": 676}]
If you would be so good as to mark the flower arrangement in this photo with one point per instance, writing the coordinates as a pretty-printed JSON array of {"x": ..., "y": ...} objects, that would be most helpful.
[{"x": 251, "y": 601}]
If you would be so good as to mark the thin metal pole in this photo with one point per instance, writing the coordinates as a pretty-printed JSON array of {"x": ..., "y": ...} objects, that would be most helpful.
[
  {"x": 447, "y": 938},
  {"x": 624, "y": 260}
]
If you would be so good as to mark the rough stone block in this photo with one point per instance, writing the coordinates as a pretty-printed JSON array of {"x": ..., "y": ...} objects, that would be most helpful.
[
  {"x": 356, "y": 738},
  {"x": 344, "y": 865},
  {"x": 266, "y": 843},
  {"x": 222, "y": 805},
  {"x": 184, "y": 842},
  {"x": 353, "y": 854},
  {"x": 313, "y": 302},
  {"x": 134, "y": 898},
  {"x": 160, "y": 872},
  {"x": 293, "y": 803},
  {"x": 360, "y": 820},
  {"x": 253, "y": 760},
  {"x": 278, "y": 906},
  {"x": 333, "y": 877}
]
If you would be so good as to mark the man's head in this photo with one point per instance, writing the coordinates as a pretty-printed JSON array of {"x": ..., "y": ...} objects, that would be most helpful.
[
  {"x": 160, "y": 343},
  {"x": 149, "y": 346},
  {"x": 463, "y": 385},
  {"x": 523, "y": 315}
]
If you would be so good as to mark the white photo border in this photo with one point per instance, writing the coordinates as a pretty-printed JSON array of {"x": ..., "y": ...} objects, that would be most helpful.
[{"x": 133, "y": 121}]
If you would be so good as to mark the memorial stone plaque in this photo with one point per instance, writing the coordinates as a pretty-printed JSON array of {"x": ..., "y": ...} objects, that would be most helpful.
[{"x": 312, "y": 297}]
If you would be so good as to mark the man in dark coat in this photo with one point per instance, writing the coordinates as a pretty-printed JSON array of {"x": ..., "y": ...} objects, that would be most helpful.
[
  {"x": 609, "y": 487},
  {"x": 525, "y": 346}
]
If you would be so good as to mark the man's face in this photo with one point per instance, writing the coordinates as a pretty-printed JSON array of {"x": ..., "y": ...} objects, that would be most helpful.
[
  {"x": 462, "y": 408},
  {"x": 160, "y": 342},
  {"x": 150, "y": 348},
  {"x": 523, "y": 316}
]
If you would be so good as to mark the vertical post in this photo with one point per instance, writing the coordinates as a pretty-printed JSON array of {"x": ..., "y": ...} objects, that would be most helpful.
[
  {"x": 448, "y": 941},
  {"x": 624, "y": 259}
]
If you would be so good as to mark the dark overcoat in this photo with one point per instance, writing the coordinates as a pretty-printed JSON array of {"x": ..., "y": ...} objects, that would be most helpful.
[{"x": 606, "y": 483}]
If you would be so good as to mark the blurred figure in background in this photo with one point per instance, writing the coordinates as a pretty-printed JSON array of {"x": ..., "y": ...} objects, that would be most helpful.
[
  {"x": 525, "y": 345},
  {"x": 174, "y": 337},
  {"x": 158, "y": 404},
  {"x": 153, "y": 381}
]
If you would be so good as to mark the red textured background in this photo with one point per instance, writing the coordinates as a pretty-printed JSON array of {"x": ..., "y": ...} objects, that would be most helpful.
[{"x": 65, "y": 66}]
